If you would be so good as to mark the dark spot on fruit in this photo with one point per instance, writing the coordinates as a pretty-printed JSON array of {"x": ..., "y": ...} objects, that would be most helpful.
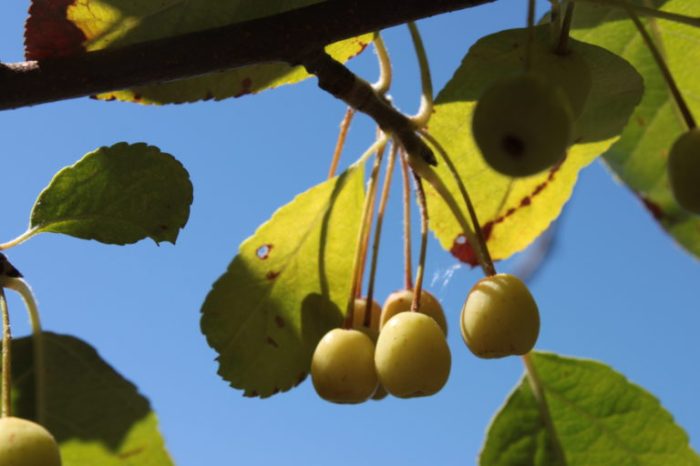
[
  {"x": 279, "y": 321},
  {"x": 513, "y": 145},
  {"x": 263, "y": 251},
  {"x": 272, "y": 342},
  {"x": 271, "y": 275}
]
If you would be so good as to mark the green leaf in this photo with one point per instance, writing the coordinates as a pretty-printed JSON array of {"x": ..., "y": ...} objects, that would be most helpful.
[
  {"x": 598, "y": 415},
  {"x": 288, "y": 285},
  {"x": 513, "y": 212},
  {"x": 97, "y": 416},
  {"x": 118, "y": 195},
  {"x": 75, "y": 27},
  {"x": 639, "y": 158}
]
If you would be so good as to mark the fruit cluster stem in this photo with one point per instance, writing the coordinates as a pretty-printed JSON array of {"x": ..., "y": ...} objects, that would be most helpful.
[
  {"x": 562, "y": 47},
  {"x": 378, "y": 148},
  {"x": 378, "y": 231},
  {"x": 6, "y": 388},
  {"x": 420, "y": 271},
  {"x": 407, "y": 267},
  {"x": 385, "y": 72},
  {"x": 420, "y": 119},
  {"x": 539, "y": 394},
  {"x": 665, "y": 71},
  {"x": 476, "y": 239},
  {"x": 340, "y": 143}
]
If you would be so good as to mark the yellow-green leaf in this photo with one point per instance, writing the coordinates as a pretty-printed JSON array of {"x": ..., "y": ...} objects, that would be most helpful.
[
  {"x": 639, "y": 158},
  {"x": 513, "y": 212},
  {"x": 288, "y": 285}
]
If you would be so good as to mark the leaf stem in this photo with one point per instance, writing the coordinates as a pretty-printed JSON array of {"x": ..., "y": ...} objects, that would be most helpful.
[
  {"x": 378, "y": 231},
  {"x": 21, "y": 287},
  {"x": 420, "y": 119},
  {"x": 479, "y": 243},
  {"x": 407, "y": 267},
  {"x": 539, "y": 394},
  {"x": 420, "y": 270},
  {"x": 340, "y": 143},
  {"x": 562, "y": 47},
  {"x": 377, "y": 147},
  {"x": 385, "y": 73},
  {"x": 665, "y": 71},
  {"x": 6, "y": 403},
  {"x": 530, "y": 33},
  {"x": 20, "y": 239},
  {"x": 555, "y": 21},
  {"x": 647, "y": 11}
]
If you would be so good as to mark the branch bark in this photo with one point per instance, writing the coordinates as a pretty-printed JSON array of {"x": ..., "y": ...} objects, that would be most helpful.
[{"x": 286, "y": 37}]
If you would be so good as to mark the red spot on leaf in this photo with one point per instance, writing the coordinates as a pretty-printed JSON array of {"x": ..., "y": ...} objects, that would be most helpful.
[
  {"x": 246, "y": 87},
  {"x": 461, "y": 248},
  {"x": 271, "y": 275},
  {"x": 272, "y": 342},
  {"x": 652, "y": 207},
  {"x": 263, "y": 251},
  {"x": 49, "y": 33},
  {"x": 279, "y": 321}
]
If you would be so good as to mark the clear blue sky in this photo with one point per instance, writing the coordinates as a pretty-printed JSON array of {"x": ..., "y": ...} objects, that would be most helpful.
[{"x": 616, "y": 287}]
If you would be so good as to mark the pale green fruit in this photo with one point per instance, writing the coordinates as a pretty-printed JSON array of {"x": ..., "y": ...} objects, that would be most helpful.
[
  {"x": 342, "y": 367},
  {"x": 400, "y": 301},
  {"x": 523, "y": 125},
  {"x": 684, "y": 170},
  {"x": 412, "y": 356},
  {"x": 500, "y": 317},
  {"x": 570, "y": 72},
  {"x": 358, "y": 317},
  {"x": 26, "y": 443}
]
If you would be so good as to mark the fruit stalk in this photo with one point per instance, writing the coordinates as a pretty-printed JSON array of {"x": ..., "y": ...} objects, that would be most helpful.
[
  {"x": 408, "y": 280},
  {"x": 420, "y": 119},
  {"x": 378, "y": 230},
  {"x": 6, "y": 402},
  {"x": 562, "y": 47},
  {"x": 665, "y": 71},
  {"x": 530, "y": 33},
  {"x": 340, "y": 143},
  {"x": 420, "y": 271},
  {"x": 384, "y": 81}
]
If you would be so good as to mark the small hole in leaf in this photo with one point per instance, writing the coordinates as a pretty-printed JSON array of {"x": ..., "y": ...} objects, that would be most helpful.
[
  {"x": 461, "y": 239},
  {"x": 263, "y": 251}
]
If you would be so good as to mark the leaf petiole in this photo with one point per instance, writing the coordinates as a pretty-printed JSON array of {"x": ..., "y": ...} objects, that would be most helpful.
[{"x": 20, "y": 239}]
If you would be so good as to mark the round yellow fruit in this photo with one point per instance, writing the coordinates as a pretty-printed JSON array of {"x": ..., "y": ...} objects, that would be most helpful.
[
  {"x": 412, "y": 356},
  {"x": 523, "y": 125},
  {"x": 400, "y": 301},
  {"x": 342, "y": 367},
  {"x": 26, "y": 443},
  {"x": 684, "y": 170},
  {"x": 500, "y": 317}
]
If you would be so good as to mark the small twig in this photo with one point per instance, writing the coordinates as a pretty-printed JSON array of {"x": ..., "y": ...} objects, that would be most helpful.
[
  {"x": 6, "y": 403},
  {"x": 665, "y": 71},
  {"x": 385, "y": 74},
  {"x": 378, "y": 231},
  {"x": 420, "y": 271},
  {"x": 545, "y": 415},
  {"x": 336, "y": 79},
  {"x": 340, "y": 143},
  {"x": 407, "y": 267},
  {"x": 420, "y": 119}
]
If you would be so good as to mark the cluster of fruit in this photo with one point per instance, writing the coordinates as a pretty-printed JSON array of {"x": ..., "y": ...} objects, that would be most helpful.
[
  {"x": 26, "y": 443},
  {"x": 406, "y": 354}
]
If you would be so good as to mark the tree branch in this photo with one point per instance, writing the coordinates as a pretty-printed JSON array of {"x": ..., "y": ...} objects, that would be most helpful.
[{"x": 283, "y": 37}]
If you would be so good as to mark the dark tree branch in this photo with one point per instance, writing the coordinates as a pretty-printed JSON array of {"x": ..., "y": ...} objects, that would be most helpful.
[{"x": 285, "y": 37}]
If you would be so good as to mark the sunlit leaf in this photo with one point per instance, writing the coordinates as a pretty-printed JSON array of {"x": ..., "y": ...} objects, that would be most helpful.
[
  {"x": 66, "y": 28},
  {"x": 639, "y": 158},
  {"x": 599, "y": 418},
  {"x": 288, "y": 285},
  {"x": 118, "y": 195},
  {"x": 96, "y": 415},
  {"x": 513, "y": 212}
]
